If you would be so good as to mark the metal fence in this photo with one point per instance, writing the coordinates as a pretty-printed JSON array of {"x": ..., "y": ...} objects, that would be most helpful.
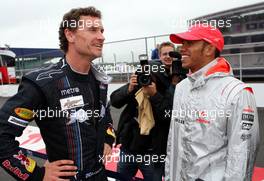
[{"x": 245, "y": 65}]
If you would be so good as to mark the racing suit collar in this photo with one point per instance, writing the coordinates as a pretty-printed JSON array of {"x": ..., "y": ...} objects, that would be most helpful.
[
  {"x": 99, "y": 75},
  {"x": 197, "y": 79},
  {"x": 219, "y": 67}
]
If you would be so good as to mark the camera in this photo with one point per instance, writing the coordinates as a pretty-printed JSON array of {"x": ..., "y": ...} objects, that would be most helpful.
[
  {"x": 176, "y": 67},
  {"x": 143, "y": 74}
]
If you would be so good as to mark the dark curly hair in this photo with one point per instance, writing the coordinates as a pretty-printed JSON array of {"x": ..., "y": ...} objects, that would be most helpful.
[{"x": 74, "y": 16}]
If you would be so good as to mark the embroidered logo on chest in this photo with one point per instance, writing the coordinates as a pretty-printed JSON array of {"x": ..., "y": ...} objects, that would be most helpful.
[{"x": 70, "y": 91}]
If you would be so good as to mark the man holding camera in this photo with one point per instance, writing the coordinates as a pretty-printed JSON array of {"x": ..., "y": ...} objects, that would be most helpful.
[{"x": 160, "y": 95}]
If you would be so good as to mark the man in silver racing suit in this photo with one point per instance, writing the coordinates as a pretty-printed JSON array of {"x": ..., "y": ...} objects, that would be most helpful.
[{"x": 214, "y": 130}]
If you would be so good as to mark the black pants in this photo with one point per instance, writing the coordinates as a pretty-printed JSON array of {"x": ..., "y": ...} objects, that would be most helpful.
[{"x": 101, "y": 176}]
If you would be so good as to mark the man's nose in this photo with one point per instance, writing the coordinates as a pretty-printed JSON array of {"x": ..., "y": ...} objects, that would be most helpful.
[{"x": 100, "y": 36}]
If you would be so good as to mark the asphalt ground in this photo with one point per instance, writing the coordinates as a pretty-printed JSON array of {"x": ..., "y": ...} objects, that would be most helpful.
[{"x": 115, "y": 115}]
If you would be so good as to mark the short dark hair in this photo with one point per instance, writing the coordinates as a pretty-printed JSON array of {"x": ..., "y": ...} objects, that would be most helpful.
[
  {"x": 165, "y": 44},
  {"x": 74, "y": 15},
  {"x": 217, "y": 53}
]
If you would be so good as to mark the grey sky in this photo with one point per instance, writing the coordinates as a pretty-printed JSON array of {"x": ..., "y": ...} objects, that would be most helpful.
[{"x": 31, "y": 23}]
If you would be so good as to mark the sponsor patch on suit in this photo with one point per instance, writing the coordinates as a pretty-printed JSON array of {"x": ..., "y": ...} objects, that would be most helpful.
[
  {"x": 71, "y": 102},
  {"x": 17, "y": 121}
]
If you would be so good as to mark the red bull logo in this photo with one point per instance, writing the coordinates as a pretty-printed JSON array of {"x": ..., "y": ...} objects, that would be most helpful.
[
  {"x": 15, "y": 170},
  {"x": 28, "y": 162}
]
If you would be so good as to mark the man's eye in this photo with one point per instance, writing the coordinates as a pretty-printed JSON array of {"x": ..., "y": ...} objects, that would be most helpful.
[
  {"x": 92, "y": 29},
  {"x": 188, "y": 43}
]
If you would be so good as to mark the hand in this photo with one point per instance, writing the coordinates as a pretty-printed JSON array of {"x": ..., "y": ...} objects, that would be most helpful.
[
  {"x": 150, "y": 90},
  {"x": 118, "y": 146},
  {"x": 175, "y": 79},
  {"x": 57, "y": 169},
  {"x": 107, "y": 152},
  {"x": 132, "y": 83}
]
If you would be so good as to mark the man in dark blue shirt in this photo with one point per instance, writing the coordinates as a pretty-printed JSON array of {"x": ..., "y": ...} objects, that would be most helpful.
[{"x": 68, "y": 102}]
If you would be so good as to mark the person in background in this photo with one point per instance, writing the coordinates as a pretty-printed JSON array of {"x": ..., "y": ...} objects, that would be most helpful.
[
  {"x": 214, "y": 131},
  {"x": 134, "y": 144},
  {"x": 155, "y": 53},
  {"x": 161, "y": 93}
]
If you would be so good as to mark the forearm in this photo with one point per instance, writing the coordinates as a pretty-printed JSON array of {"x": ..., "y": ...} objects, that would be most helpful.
[
  {"x": 120, "y": 97},
  {"x": 22, "y": 167}
]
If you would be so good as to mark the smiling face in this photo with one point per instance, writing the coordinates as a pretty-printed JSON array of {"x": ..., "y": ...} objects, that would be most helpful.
[
  {"x": 164, "y": 56},
  {"x": 87, "y": 40},
  {"x": 196, "y": 54}
]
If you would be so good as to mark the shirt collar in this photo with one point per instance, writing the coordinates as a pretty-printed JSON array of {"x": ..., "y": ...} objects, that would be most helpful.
[{"x": 200, "y": 74}]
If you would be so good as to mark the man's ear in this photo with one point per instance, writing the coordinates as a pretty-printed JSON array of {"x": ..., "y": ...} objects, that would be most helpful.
[
  {"x": 69, "y": 35},
  {"x": 210, "y": 50}
]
